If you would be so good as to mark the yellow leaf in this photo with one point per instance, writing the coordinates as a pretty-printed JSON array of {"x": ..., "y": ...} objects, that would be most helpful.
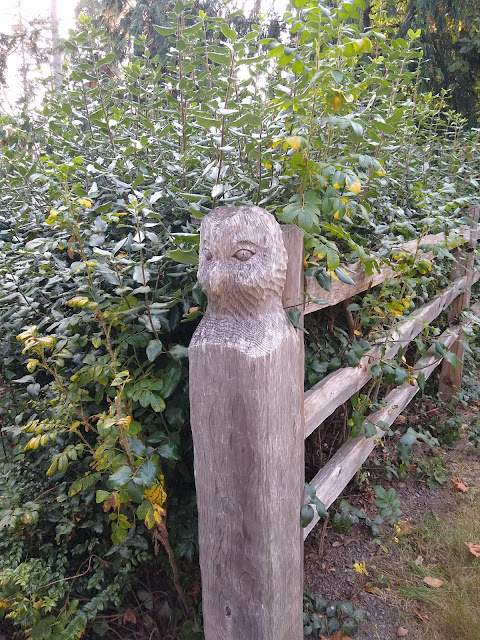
[
  {"x": 78, "y": 301},
  {"x": 294, "y": 141},
  {"x": 86, "y": 202},
  {"x": 354, "y": 187},
  {"x": 28, "y": 333}
]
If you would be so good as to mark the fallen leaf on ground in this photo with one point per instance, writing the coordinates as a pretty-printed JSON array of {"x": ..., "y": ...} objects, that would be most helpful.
[
  {"x": 402, "y": 632},
  {"x": 129, "y": 616},
  {"x": 421, "y": 546},
  {"x": 422, "y": 616},
  {"x": 458, "y": 485},
  {"x": 371, "y": 589},
  {"x": 474, "y": 548},
  {"x": 404, "y": 527},
  {"x": 418, "y": 560},
  {"x": 433, "y": 582},
  {"x": 337, "y": 636},
  {"x": 337, "y": 543}
]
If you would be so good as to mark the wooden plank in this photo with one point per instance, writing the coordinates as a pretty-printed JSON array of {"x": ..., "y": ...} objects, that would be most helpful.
[
  {"x": 326, "y": 396},
  {"x": 340, "y": 469},
  {"x": 451, "y": 377},
  {"x": 341, "y": 291},
  {"x": 332, "y": 479},
  {"x": 293, "y": 290},
  {"x": 246, "y": 398}
]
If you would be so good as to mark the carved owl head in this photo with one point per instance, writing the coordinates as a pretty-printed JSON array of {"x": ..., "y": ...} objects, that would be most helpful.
[{"x": 242, "y": 261}]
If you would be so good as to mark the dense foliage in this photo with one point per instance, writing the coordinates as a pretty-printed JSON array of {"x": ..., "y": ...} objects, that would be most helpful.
[{"x": 102, "y": 193}]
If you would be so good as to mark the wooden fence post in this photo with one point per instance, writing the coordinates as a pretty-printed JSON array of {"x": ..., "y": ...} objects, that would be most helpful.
[
  {"x": 451, "y": 377},
  {"x": 246, "y": 404}
]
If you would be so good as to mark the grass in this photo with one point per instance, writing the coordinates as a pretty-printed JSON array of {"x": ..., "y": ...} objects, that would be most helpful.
[{"x": 454, "y": 608}]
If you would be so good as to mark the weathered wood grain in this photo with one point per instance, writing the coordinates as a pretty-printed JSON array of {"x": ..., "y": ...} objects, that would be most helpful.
[
  {"x": 293, "y": 290},
  {"x": 246, "y": 399},
  {"x": 326, "y": 396},
  {"x": 451, "y": 376},
  {"x": 341, "y": 291}
]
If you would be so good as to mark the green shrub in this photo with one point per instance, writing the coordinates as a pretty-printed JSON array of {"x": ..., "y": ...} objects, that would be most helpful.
[{"x": 102, "y": 192}]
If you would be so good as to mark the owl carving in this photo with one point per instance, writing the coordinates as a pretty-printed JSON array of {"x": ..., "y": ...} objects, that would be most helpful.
[{"x": 242, "y": 271}]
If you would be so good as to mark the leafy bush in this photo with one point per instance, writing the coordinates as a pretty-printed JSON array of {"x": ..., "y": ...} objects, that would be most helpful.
[{"x": 101, "y": 196}]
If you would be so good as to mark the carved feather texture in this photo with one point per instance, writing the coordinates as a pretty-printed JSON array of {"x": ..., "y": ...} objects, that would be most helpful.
[{"x": 242, "y": 271}]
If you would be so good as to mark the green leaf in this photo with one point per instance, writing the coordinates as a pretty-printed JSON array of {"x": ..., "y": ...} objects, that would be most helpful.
[
  {"x": 157, "y": 403},
  {"x": 178, "y": 352},
  {"x": 183, "y": 257},
  {"x": 154, "y": 349},
  {"x": 343, "y": 276},
  {"x": 220, "y": 58},
  {"x": 376, "y": 371},
  {"x": 321, "y": 509},
  {"x": 333, "y": 259},
  {"x": 206, "y": 123},
  {"x": 421, "y": 381},
  {"x": 400, "y": 376},
  {"x": 295, "y": 316},
  {"x": 108, "y": 59},
  {"x": 370, "y": 430},
  {"x": 228, "y": 33},
  {"x": 380, "y": 491},
  {"x": 170, "y": 380},
  {"x": 164, "y": 31},
  {"x": 308, "y": 216},
  {"x": 101, "y": 495},
  {"x": 324, "y": 279},
  {"x": 307, "y": 514},
  {"x": 168, "y": 452},
  {"x": 120, "y": 477},
  {"x": 146, "y": 475},
  {"x": 248, "y": 119}
]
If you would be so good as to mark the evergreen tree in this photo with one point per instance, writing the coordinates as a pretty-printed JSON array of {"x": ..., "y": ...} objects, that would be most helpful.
[{"x": 451, "y": 41}]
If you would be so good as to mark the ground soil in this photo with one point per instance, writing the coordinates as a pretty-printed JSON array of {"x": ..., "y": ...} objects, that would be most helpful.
[{"x": 329, "y": 562}]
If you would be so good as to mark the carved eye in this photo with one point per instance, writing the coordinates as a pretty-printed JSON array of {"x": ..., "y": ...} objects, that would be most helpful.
[
  {"x": 243, "y": 255},
  {"x": 208, "y": 255}
]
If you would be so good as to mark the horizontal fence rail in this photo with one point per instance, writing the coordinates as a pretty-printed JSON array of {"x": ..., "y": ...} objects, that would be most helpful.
[
  {"x": 336, "y": 388},
  {"x": 341, "y": 291},
  {"x": 332, "y": 479}
]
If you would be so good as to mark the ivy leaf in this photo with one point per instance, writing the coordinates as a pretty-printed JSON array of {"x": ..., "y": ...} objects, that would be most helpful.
[{"x": 370, "y": 430}]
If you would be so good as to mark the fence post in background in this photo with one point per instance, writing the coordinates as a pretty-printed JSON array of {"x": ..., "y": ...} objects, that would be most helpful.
[
  {"x": 246, "y": 405},
  {"x": 450, "y": 376}
]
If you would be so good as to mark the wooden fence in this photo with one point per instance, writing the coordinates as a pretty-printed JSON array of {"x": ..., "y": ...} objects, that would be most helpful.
[{"x": 250, "y": 416}]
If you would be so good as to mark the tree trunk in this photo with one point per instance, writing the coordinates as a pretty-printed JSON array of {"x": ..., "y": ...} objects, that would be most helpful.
[{"x": 56, "y": 56}]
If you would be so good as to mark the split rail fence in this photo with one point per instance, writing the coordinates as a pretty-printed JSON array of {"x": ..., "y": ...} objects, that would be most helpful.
[{"x": 250, "y": 415}]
